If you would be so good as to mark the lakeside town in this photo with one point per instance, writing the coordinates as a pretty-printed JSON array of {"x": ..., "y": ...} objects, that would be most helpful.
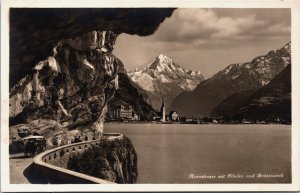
[{"x": 126, "y": 114}]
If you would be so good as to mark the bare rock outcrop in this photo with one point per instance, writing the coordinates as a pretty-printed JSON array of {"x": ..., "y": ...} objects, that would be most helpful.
[{"x": 115, "y": 161}]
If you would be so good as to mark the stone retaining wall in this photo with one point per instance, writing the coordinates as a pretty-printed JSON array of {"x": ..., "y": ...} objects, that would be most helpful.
[{"x": 44, "y": 163}]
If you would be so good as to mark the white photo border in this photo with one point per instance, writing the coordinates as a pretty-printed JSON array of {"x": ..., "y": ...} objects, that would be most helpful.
[{"x": 294, "y": 5}]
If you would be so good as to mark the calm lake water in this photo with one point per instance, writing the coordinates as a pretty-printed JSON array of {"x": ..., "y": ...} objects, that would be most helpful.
[{"x": 176, "y": 153}]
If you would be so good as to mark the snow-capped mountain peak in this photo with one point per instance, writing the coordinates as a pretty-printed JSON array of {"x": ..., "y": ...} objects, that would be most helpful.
[
  {"x": 164, "y": 63},
  {"x": 166, "y": 70},
  {"x": 164, "y": 58},
  {"x": 164, "y": 77}
]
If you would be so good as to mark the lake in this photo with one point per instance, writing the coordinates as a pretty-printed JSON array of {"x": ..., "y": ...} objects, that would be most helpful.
[{"x": 178, "y": 153}]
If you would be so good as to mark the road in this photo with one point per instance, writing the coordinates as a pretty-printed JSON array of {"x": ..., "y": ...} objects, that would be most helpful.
[{"x": 22, "y": 170}]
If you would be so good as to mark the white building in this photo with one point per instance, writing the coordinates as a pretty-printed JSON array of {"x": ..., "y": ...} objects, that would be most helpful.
[
  {"x": 163, "y": 111},
  {"x": 125, "y": 112},
  {"x": 173, "y": 116}
]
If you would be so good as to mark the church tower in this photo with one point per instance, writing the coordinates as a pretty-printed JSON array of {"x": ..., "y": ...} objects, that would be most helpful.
[{"x": 163, "y": 111}]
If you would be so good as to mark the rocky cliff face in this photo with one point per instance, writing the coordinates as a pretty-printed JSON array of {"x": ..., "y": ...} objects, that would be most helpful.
[
  {"x": 115, "y": 161},
  {"x": 72, "y": 85},
  {"x": 61, "y": 61}
]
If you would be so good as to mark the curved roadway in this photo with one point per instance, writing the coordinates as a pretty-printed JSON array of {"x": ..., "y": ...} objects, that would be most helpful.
[{"x": 23, "y": 171}]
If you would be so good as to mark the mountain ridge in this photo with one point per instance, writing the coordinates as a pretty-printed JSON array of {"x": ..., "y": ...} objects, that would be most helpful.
[
  {"x": 268, "y": 103},
  {"x": 232, "y": 79}
]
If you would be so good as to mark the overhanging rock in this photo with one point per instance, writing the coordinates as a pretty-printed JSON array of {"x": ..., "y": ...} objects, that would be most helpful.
[{"x": 61, "y": 61}]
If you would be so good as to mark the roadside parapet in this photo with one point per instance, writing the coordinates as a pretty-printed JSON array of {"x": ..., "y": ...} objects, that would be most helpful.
[{"x": 44, "y": 163}]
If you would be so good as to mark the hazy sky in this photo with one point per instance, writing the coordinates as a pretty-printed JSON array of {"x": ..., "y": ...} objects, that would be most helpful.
[{"x": 209, "y": 39}]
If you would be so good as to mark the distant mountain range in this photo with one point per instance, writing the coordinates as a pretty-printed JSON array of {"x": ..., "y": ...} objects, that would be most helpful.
[
  {"x": 164, "y": 78},
  {"x": 237, "y": 81},
  {"x": 268, "y": 103}
]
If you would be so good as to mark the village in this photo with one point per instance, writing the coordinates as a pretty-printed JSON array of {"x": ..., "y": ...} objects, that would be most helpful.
[{"x": 125, "y": 114}]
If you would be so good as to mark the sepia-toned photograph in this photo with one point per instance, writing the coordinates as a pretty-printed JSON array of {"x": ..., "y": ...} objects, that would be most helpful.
[{"x": 150, "y": 95}]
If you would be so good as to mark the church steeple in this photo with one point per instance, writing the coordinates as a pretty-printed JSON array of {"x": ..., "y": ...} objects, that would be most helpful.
[
  {"x": 162, "y": 103},
  {"x": 163, "y": 110}
]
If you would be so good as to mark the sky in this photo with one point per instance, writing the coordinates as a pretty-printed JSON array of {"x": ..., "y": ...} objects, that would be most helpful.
[{"x": 208, "y": 40}]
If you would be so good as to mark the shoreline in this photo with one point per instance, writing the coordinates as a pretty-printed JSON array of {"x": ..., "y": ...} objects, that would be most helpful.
[{"x": 195, "y": 123}]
